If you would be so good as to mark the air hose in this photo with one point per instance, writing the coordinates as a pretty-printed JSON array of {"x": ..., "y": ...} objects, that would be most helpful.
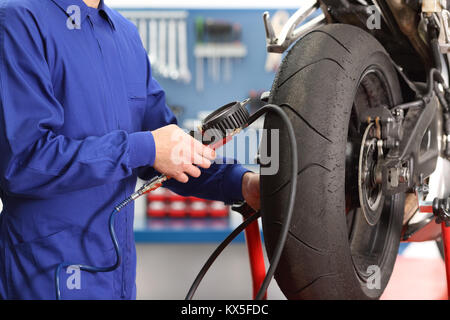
[
  {"x": 275, "y": 259},
  {"x": 230, "y": 119},
  {"x": 92, "y": 268},
  {"x": 153, "y": 184},
  {"x": 218, "y": 251}
]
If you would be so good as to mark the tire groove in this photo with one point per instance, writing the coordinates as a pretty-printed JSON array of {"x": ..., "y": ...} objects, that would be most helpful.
[
  {"x": 319, "y": 251},
  {"x": 314, "y": 164},
  {"x": 307, "y": 123},
  {"x": 306, "y": 66},
  {"x": 331, "y": 36},
  {"x": 314, "y": 281}
]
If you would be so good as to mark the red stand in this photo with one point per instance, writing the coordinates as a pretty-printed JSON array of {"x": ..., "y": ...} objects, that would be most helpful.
[
  {"x": 446, "y": 242},
  {"x": 255, "y": 253}
]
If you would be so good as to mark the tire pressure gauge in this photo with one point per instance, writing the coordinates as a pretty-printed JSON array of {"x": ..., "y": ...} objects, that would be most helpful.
[
  {"x": 224, "y": 123},
  {"x": 217, "y": 129}
]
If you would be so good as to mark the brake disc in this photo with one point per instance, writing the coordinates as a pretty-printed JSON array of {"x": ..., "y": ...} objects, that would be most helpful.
[{"x": 371, "y": 196}]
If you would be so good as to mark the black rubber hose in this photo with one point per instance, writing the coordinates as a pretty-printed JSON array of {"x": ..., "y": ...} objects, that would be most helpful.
[
  {"x": 94, "y": 269},
  {"x": 218, "y": 251},
  {"x": 431, "y": 86},
  {"x": 436, "y": 54},
  {"x": 433, "y": 35},
  {"x": 287, "y": 220},
  {"x": 434, "y": 75},
  {"x": 293, "y": 190}
]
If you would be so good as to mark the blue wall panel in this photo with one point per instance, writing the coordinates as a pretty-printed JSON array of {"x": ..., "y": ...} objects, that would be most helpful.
[{"x": 247, "y": 73}]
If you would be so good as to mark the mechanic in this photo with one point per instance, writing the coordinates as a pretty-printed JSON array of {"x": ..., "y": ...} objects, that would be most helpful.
[{"x": 82, "y": 118}]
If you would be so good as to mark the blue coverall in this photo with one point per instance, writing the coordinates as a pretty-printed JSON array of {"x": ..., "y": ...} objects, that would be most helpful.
[{"x": 77, "y": 105}]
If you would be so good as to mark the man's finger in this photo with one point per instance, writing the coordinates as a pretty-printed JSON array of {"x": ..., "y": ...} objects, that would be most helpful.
[
  {"x": 203, "y": 150},
  {"x": 200, "y": 161},
  {"x": 182, "y": 177},
  {"x": 193, "y": 171},
  {"x": 208, "y": 153}
]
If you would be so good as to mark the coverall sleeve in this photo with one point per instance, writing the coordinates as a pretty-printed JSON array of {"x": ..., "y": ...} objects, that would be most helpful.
[
  {"x": 221, "y": 182},
  {"x": 36, "y": 162}
]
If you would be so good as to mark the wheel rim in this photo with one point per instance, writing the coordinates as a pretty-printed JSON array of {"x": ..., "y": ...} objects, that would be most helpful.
[{"x": 368, "y": 212}]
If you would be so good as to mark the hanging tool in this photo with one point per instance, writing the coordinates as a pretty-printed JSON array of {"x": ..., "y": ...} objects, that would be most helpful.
[
  {"x": 227, "y": 69},
  {"x": 172, "y": 48},
  {"x": 162, "y": 54},
  {"x": 164, "y": 36},
  {"x": 199, "y": 73},
  {"x": 153, "y": 51},
  {"x": 185, "y": 74},
  {"x": 143, "y": 31},
  {"x": 216, "y": 41},
  {"x": 215, "y": 63}
]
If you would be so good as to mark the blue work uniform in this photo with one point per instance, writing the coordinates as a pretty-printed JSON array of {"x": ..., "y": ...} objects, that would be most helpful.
[{"x": 77, "y": 104}]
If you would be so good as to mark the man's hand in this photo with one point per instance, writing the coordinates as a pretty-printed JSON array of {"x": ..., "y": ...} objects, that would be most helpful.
[
  {"x": 177, "y": 153},
  {"x": 250, "y": 189}
]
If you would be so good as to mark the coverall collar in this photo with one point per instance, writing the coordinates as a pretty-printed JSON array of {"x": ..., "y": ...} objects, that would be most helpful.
[{"x": 84, "y": 9}]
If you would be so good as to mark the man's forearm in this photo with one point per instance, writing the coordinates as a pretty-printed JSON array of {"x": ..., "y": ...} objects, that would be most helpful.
[{"x": 220, "y": 182}]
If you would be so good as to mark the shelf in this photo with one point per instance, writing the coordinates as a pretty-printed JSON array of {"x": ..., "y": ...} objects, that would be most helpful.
[
  {"x": 184, "y": 231},
  {"x": 220, "y": 50},
  {"x": 153, "y": 14}
]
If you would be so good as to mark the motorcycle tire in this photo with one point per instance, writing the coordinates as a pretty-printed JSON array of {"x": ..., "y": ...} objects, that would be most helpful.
[{"x": 331, "y": 251}]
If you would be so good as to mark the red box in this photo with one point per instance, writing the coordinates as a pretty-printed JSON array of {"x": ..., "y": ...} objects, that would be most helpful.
[
  {"x": 218, "y": 209},
  {"x": 156, "y": 209},
  {"x": 198, "y": 209},
  {"x": 165, "y": 203},
  {"x": 178, "y": 209}
]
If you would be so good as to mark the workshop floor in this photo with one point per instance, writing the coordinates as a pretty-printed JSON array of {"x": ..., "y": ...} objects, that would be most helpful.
[
  {"x": 166, "y": 272},
  {"x": 419, "y": 274}
]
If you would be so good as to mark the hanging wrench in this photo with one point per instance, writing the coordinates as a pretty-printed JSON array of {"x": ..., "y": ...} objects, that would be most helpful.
[
  {"x": 185, "y": 74},
  {"x": 162, "y": 57},
  {"x": 172, "y": 47},
  {"x": 153, "y": 51}
]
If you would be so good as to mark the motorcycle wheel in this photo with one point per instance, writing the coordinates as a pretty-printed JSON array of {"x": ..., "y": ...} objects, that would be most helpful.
[{"x": 333, "y": 250}]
